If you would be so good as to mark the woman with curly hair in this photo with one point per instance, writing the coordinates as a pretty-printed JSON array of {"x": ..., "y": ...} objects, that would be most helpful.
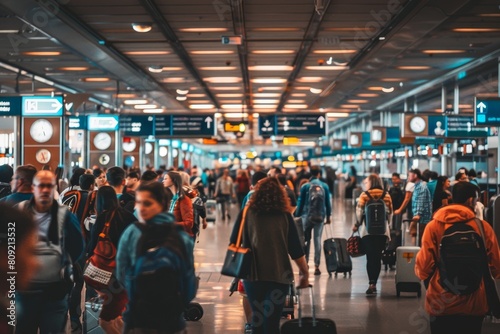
[{"x": 271, "y": 234}]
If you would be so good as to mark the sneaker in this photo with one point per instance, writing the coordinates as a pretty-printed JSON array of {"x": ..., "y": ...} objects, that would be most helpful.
[
  {"x": 317, "y": 272},
  {"x": 372, "y": 289},
  {"x": 248, "y": 328}
]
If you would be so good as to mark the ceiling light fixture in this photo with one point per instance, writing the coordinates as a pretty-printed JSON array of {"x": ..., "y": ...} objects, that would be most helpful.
[
  {"x": 337, "y": 114},
  {"x": 265, "y": 101},
  {"x": 327, "y": 68},
  {"x": 413, "y": 68},
  {"x": 270, "y": 52},
  {"x": 155, "y": 69},
  {"x": 181, "y": 98},
  {"x": 261, "y": 89},
  {"x": 296, "y": 101},
  {"x": 358, "y": 101},
  {"x": 334, "y": 51},
  {"x": 133, "y": 102},
  {"x": 182, "y": 91},
  {"x": 9, "y": 31},
  {"x": 268, "y": 80},
  {"x": 388, "y": 90},
  {"x": 296, "y": 106},
  {"x": 142, "y": 27},
  {"x": 267, "y": 95},
  {"x": 95, "y": 79},
  {"x": 201, "y": 106},
  {"x": 265, "y": 106},
  {"x": 212, "y": 52},
  {"x": 315, "y": 90},
  {"x": 146, "y": 106},
  {"x": 146, "y": 53},
  {"x": 222, "y": 79},
  {"x": 270, "y": 68},
  {"x": 367, "y": 95},
  {"x": 218, "y": 68},
  {"x": 299, "y": 94},
  {"x": 153, "y": 111},
  {"x": 442, "y": 51},
  {"x": 198, "y": 30},
  {"x": 476, "y": 29},
  {"x": 195, "y": 95},
  {"x": 229, "y": 95},
  {"x": 226, "y": 88},
  {"x": 42, "y": 53},
  {"x": 74, "y": 68},
  {"x": 310, "y": 79}
]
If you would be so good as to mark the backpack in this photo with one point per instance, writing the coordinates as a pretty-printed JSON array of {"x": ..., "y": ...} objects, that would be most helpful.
[
  {"x": 199, "y": 210},
  {"x": 316, "y": 210},
  {"x": 72, "y": 199},
  {"x": 161, "y": 285},
  {"x": 462, "y": 255},
  {"x": 375, "y": 215}
]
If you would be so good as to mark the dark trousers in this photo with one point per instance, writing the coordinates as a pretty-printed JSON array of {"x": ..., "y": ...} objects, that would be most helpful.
[
  {"x": 374, "y": 245},
  {"x": 267, "y": 300},
  {"x": 36, "y": 312},
  {"x": 75, "y": 299},
  {"x": 456, "y": 324}
]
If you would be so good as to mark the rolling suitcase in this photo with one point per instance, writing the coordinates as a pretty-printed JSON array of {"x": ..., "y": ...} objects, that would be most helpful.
[
  {"x": 289, "y": 308},
  {"x": 309, "y": 325},
  {"x": 330, "y": 250},
  {"x": 211, "y": 207},
  {"x": 93, "y": 308},
  {"x": 389, "y": 253},
  {"x": 344, "y": 263},
  {"x": 406, "y": 280}
]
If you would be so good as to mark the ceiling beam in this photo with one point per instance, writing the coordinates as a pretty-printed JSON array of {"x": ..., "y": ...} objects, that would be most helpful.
[
  {"x": 305, "y": 47},
  {"x": 177, "y": 46}
]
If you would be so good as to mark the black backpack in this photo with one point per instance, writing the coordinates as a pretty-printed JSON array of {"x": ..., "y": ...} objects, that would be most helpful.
[
  {"x": 397, "y": 196},
  {"x": 462, "y": 255},
  {"x": 375, "y": 215},
  {"x": 316, "y": 210}
]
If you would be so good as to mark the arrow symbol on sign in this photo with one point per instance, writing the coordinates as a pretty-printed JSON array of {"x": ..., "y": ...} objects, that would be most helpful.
[
  {"x": 481, "y": 107},
  {"x": 209, "y": 121},
  {"x": 321, "y": 121},
  {"x": 42, "y": 105},
  {"x": 267, "y": 123}
]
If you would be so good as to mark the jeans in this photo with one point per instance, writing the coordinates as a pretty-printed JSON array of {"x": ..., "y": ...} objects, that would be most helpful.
[
  {"x": 34, "y": 311},
  {"x": 456, "y": 324},
  {"x": 374, "y": 245},
  {"x": 266, "y": 300},
  {"x": 318, "y": 232},
  {"x": 225, "y": 204}
]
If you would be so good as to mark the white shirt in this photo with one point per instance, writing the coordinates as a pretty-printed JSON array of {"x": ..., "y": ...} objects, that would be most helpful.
[
  {"x": 43, "y": 221},
  {"x": 410, "y": 187}
]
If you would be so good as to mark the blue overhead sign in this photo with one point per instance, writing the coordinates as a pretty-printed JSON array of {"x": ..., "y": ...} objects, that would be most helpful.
[
  {"x": 137, "y": 125},
  {"x": 293, "y": 125},
  {"x": 42, "y": 106},
  {"x": 463, "y": 127},
  {"x": 103, "y": 122},
  {"x": 77, "y": 122},
  {"x": 487, "y": 111},
  {"x": 10, "y": 105},
  {"x": 163, "y": 125},
  {"x": 202, "y": 125}
]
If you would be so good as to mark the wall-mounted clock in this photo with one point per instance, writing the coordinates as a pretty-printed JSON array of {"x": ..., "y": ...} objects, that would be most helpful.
[
  {"x": 41, "y": 130},
  {"x": 129, "y": 146},
  {"x": 163, "y": 151},
  {"x": 354, "y": 139},
  {"x": 104, "y": 159},
  {"x": 102, "y": 141},
  {"x": 417, "y": 124},
  {"x": 43, "y": 156},
  {"x": 148, "y": 148}
]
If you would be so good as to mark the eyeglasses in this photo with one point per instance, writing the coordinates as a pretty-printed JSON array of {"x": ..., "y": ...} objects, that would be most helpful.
[{"x": 45, "y": 185}]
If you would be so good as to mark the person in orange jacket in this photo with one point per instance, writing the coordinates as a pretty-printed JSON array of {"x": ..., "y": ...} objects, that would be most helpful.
[{"x": 449, "y": 312}]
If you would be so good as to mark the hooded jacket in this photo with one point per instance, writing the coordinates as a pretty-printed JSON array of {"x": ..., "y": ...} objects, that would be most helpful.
[{"x": 439, "y": 302}]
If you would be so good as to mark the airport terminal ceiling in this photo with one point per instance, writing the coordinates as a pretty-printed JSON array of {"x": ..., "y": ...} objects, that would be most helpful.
[{"x": 342, "y": 57}]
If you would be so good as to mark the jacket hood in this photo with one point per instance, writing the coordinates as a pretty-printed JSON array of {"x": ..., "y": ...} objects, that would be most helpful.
[
  {"x": 454, "y": 213},
  {"x": 162, "y": 218}
]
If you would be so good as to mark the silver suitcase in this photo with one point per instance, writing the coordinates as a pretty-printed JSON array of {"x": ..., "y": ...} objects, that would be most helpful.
[{"x": 406, "y": 280}]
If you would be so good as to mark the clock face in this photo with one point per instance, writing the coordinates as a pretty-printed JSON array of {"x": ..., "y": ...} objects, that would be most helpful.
[
  {"x": 130, "y": 146},
  {"x": 102, "y": 141},
  {"x": 163, "y": 151},
  {"x": 417, "y": 124},
  {"x": 41, "y": 130},
  {"x": 354, "y": 140},
  {"x": 148, "y": 148},
  {"x": 43, "y": 156},
  {"x": 104, "y": 159}
]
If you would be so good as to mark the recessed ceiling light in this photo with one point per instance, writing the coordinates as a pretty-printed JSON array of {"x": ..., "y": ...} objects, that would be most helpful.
[
  {"x": 327, "y": 68},
  {"x": 9, "y": 31},
  {"x": 270, "y": 68},
  {"x": 229, "y": 95},
  {"x": 267, "y": 95},
  {"x": 334, "y": 51},
  {"x": 153, "y": 111},
  {"x": 442, "y": 51},
  {"x": 412, "y": 68},
  {"x": 133, "y": 102},
  {"x": 476, "y": 29},
  {"x": 95, "y": 79},
  {"x": 155, "y": 69},
  {"x": 265, "y": 106},
  {"x": 196, "y": 95},
  {"x": 74, "y": 68},
  {"x": 269, "y": 52},
  {"x": 299, "y": 94},
  {"x": 45, "y": 89},
  {"x": 233, "y": 106},
  {"x": 296, "y": 106},
  {"x": 337, "y": 114},
  {"x": 182, "y": 91},
  {"x": 265, "y": 101},
  {"x": 226, "y": 88},
  {"x": 315, "y": 90},
  {"x": 276, "y": 29},
  {"x": 349, "y": 106},
  {"x": 230, "y": 101},
  {"x": 146, "y": 106},
  {"x": 388, "y": 90},
  {"x": 222, "y": 79},
  {"x": 310, "y": 79},
  {"x": 392, "y": 79},
  {"x": 368, "y": 94},
  {"x": 355, "y": 29},
  {"x": 358, "y": 101},
  {"x": 212, "y": 52},
  {"x": 375, "y": 88},
  {"x": 201, "y": 106},
  {"x": 261, "y": 89},
  {"x": 296, "y": 101},
  {"x": 203, "y": 29},
  {"x": 235, "y": 115},
  {"x": 142, "y": 27},
  {"x": 218, "y": 68},
  {"x": 174, "y": 80},
  {"x": 146, "y": 53},
  {"x": 268, "y": 80},
  {"x": 42, "y": 53},
  {"x": 159, "y": 69},
  {"x": 125, "y": 96},
  {"x": 200, "y": 101},
  {"x": 181, "y": 98}
]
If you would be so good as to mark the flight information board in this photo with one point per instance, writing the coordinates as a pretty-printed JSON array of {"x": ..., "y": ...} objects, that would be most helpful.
[{"x": 487, "y": 111}]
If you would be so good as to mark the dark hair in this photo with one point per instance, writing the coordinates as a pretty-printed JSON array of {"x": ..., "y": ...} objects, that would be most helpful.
[
  {"x": 472, "y": 173},
  {"x": 75, "y": 178},
  {"x": 458, "y": 176},
  {"x": 149, "y": 175},
  {"x": 25, "y": 225},
  {"x": 269, "y": 196},
  {"x": 417, "y": 172},
  {"x": 133, "y": 175},
  {"x": 315, "y": 171},
  {"x": 106, "y": 199},
  {"x": 6, "y": 173},
  {"x": 157, "y": 192},
  {"x": 375, "y": 181},
  {"x": 115, "y": 176},
  {"x": 426, "y": 175},
  {"x": 465, "y": 170},
  {"x": 433, "y": 175},
  {"x": 462, "y": 191},
  {"x": 277, "y": 170},
  {"x": 438, "y": 193},
  {"x": 97, "y": 172},
  {"x": 353, "y": 171},
  {"x": 86, "y": 181},
  {"x": 281, "y": 179},
  {"x": 27, "y": 173},
  {"x": 257, "y": 176},
  {"x": 396, "y": 175},
  {"x": 177, "y": 181}
]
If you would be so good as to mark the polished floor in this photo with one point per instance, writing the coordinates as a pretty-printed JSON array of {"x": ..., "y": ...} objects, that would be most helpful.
[{"x": 341, "y": 299}]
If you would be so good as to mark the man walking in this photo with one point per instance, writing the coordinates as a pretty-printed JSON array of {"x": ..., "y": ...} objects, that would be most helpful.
[{"x": 421, "y": 204}]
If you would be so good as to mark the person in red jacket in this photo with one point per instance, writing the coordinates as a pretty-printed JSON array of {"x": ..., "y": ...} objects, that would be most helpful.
[
  {"x": 180, "y": 205},
  {"x": 450, "y": 312}
]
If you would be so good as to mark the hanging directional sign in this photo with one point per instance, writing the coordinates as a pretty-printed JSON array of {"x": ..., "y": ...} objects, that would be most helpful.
[
  {"x": 10, "y": 105},
  {"x": 487, "y": 111},
  {"x": 301, "y": 125},
  {"x": 77, "y": 122},
  {"x": 137, "y": 125},
  {"x": 267, "y": 125},
  {"x": 42, "y": 106},
  {"x": 463, "y": 127},
  {"x": 163, "y": 125},
  {"x": 102, "y": 122},
  {"x": 202, "y": 125}
]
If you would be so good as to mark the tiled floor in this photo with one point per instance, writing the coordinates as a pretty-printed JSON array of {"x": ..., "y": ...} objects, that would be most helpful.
[{"x": 341, "y": 299}]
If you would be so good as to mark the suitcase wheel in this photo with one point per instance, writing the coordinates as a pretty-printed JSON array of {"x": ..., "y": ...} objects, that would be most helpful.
[{"x": 193, "y": 312}]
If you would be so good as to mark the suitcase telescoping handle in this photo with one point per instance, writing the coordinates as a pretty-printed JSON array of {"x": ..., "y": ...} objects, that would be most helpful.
[
  {"x": 313, "y": 308},
  {"x": 403, "y": 232},
  {"x": 329, "y": 230}
]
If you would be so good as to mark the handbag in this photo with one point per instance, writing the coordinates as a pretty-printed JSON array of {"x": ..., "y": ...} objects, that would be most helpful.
[
  {"x": 100, "y": 266},
  {"x": 355, "y": 246},
  {"x": 238, "y": 261}
]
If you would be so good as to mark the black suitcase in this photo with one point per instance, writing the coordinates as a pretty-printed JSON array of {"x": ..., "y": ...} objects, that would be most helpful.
[
  {"x": 389, "y": 253},
  {"x": 309, "y": 325},
  {"x": 330, "y": 249},
  {"x": 344, "y": 263}
]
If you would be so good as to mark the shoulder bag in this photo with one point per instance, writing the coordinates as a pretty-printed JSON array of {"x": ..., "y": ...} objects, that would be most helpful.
[{"x": 238, "y": 261}]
